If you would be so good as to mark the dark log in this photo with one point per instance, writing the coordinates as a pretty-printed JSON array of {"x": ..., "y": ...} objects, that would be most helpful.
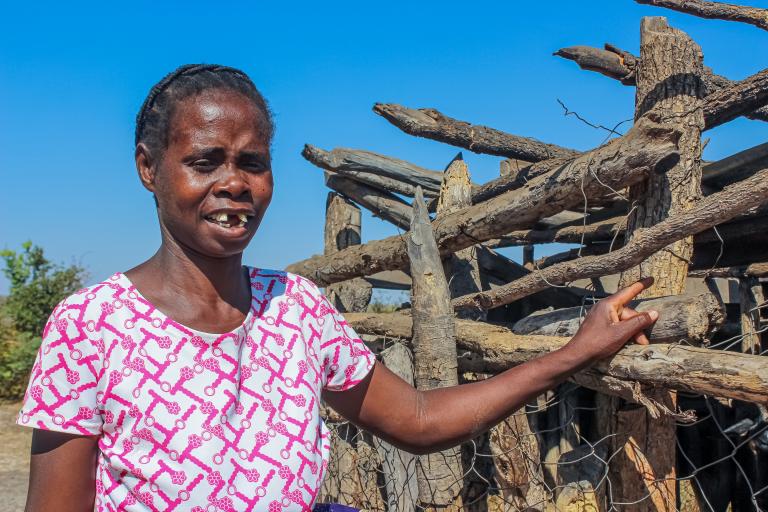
[
  {"x": 751, "y": 270},
  {"x": 494, "y": 348},
  {"x": 646, "y": 148},
  {"x": 390, "y": 173},
  {"x": 715, "y": 10},
  {"x": 684, "y": 318},
  {"x": 382, "y": 204},
  {"x": 622, "y": 65},
  {"x": 342, "y": 230},
  {"x": 709, "y": 212},
  {"x": 434, "y": 352},
  {"x": 751, "y": 301},
  {"x": 737, "y": 99},
  {"x": 510, "y": 166},
  {"x": 736, "y": 167},
  {"x": 431, "y": 124}
]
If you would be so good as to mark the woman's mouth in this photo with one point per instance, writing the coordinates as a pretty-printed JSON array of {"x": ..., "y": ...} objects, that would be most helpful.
[{"x": 229, "y": 220}]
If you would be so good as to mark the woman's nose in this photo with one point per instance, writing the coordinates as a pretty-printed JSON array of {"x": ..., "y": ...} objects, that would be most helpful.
[{"x": 232, "y": 181}]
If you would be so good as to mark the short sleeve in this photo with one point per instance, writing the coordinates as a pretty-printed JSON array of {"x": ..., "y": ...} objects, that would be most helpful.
[
  {"x": 344, "y": 357},
  {"x": 62, "y": 390}
]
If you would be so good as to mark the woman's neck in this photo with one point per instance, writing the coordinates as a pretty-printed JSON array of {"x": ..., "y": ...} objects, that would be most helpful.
[{"x": 203, "y": 292}]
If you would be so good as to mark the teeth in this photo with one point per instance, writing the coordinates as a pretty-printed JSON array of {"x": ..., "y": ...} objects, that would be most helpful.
[
  {"x": 221, "y": 217},
  {"x": 243, "y": 218}
]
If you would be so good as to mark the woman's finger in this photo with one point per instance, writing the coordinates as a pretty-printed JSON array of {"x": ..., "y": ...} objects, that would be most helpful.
[{"x": 625, "y": 295}]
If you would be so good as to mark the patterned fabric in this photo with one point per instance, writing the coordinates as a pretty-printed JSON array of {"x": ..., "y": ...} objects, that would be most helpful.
[{"x": 191, "y": 420}]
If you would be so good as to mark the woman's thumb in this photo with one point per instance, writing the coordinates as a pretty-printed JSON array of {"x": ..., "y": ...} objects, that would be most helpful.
[{"x": 637, "y": 323}]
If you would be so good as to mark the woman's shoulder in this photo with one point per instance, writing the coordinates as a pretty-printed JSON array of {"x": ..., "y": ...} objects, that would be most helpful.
[
  {"x": 97, "y": 293},
  {"x": 262, "y": 277}
]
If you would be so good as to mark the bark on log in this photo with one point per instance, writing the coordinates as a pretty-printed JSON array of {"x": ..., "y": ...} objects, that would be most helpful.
[
  {"x": 491, "y": 348},
  {"x": 398, "y": 175},
  {"x": 621, "y": 65},
  {"x": 710, "y": 211},
  {"x": 431, "y": 124},
  {"x": 462, "y": 267},
  {"x": 715, "y": 11},
  {"x": 685, "y": 318},
  {"x": 382, "y": 204},
  {"x": 646, "y": 148},
  {"x": 399, "y": 467},
  {"x": 439, "y": 474}
]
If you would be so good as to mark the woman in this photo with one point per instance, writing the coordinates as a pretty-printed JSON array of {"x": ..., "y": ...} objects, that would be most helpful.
[{"x": 191, "y": 382}]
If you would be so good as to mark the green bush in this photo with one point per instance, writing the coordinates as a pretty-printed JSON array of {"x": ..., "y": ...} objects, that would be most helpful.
[{"x": 36, "y": 286}]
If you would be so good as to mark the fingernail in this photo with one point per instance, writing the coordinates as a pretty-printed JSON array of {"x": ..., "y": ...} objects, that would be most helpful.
[{"x": 653, "y": 314}]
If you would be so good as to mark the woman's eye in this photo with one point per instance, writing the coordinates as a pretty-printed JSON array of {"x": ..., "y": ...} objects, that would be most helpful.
[{"x": 203, "y": 164}]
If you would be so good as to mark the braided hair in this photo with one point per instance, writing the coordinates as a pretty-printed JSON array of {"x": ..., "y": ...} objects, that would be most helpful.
[{"x": 153, "y": 119}]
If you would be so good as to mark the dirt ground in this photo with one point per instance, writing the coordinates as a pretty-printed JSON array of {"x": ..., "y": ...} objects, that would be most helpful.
[{"x": 14, "y": 460}]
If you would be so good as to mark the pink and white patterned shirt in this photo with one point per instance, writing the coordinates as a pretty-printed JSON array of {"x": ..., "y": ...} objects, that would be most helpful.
[{"x": 191, "y": 420}]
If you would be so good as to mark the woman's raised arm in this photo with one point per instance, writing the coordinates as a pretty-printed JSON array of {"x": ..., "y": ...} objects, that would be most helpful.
[{"x": 427, "y": 421}]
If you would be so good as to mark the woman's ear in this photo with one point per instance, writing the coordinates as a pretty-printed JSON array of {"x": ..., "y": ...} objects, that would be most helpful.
[{"x": 146, "y": 166}]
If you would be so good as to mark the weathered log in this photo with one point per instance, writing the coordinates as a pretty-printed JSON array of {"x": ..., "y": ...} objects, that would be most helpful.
[
  {"x": 715, "y": 11},
  {"x": 690, "y": 318},
  {"x": 399, "y": 467},
  {"x": 390, "y": 173},
  {"x": 434, "y": 351},
  {"x": 431, "y": 124},
  {"x": 382, "y": 204},
  {"x": 491, "y": 348},
  {"x": 622, "y": 65},
  {"x": 646, "y": 148},
  {"x": 709, "y": 212}
]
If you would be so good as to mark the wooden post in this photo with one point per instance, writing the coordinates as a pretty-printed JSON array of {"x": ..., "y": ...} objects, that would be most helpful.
[
  {"x": 461, "y": 268},
  {"x": 399, "y": 467},
  {"x": 352, "y": 472},
  {"x": 434, "y": 349},
  {"x": 669, "y": 82},
  {"x": 342, "y": 230}
]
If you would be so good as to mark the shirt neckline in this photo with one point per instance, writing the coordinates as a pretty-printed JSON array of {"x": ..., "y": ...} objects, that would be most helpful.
[{"x": 208, "y": 336}]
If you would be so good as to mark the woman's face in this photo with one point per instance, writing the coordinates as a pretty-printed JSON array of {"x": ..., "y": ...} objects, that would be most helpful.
[{"x": 214, "y": 181}]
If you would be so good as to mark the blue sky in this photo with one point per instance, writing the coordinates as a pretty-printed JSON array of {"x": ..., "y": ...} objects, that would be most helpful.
[{"x": 73, "y": 77}]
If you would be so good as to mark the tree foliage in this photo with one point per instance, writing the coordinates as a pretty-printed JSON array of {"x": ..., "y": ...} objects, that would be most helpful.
[{"x": 36, "y": 286}]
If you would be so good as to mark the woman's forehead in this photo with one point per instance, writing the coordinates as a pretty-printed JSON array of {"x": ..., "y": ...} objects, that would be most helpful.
[{"x": 217, "y": 114}]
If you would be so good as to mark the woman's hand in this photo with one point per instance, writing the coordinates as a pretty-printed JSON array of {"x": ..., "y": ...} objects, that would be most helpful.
[{"x": 610, "y": 324}]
